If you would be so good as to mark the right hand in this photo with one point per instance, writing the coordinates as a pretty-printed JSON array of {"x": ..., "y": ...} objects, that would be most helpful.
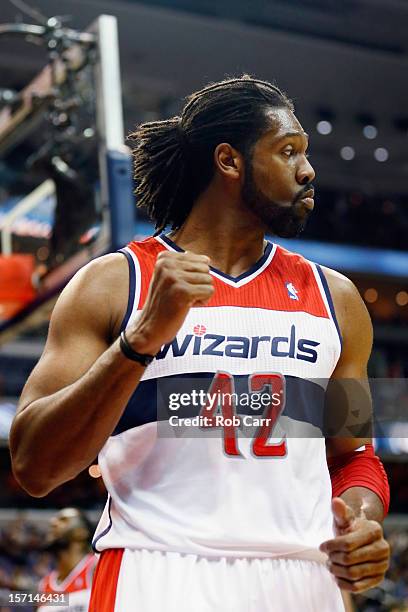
[{"x": 179, "y": 281}]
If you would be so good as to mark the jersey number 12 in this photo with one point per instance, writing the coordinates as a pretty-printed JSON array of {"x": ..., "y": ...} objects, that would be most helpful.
[{"x": 222, "y": 388}]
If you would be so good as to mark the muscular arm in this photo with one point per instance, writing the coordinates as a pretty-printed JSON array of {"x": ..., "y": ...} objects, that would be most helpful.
[
  {"x": 77, "y": 393},
  {"x": 358, "y": 555},
  {"x": 349, "y": 384}
]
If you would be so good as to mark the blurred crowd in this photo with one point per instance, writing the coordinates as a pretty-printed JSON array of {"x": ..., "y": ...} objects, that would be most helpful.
[
  {"x": 388, "y": 361},
  {"x": 84, "y": 491},
  {"x": 359, "y": 219},
  {"x": 46, "y": 554},
  {"x": 392, "y": 594},
  {"x": 23, "y": 563}
]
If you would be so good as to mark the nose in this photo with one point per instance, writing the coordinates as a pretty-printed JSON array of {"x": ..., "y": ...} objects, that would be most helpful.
[
  {"x": 54, "y": 522},
  {"x": 305, "y": 172}
]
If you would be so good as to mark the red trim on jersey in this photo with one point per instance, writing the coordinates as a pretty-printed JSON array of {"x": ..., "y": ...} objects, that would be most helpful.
[
  {"x": 266, "y": 290},
  {"x": 146, "y": 252},
  {"x": 105, "y": 581},
  {"x": 79, "y": 579}
]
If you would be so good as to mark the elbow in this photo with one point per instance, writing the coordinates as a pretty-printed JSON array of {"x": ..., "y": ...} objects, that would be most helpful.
[
  {"x": 35, "y": 481},
  {"x": 31, "y": 478},
  {"x": 29, "y": 481},
  {"x": 23, "y": 471},
  {"x": 36, "y": 472}
]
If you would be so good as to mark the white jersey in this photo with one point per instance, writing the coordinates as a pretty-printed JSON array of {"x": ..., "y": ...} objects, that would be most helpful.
[{"x": 244, "y": 488}]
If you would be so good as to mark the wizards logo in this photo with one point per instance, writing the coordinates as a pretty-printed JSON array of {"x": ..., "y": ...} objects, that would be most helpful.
[{"x": 216, "y": 345}]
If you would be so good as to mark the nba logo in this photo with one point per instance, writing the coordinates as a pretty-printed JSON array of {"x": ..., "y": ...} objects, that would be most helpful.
[{"x": 292, "y": 291}]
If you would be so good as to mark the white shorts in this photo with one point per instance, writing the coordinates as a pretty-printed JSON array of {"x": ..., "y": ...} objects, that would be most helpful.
[{"x": 153, "y": 581}]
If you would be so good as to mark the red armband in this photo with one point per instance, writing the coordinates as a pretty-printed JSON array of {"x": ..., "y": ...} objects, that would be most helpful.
[{"x": 360, "y": 468}]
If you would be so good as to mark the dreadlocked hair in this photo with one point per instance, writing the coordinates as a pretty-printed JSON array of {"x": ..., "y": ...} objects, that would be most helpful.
[{"x": 173, "y": 159}]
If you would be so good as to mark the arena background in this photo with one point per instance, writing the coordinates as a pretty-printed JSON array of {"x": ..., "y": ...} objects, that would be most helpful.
[{"x": 345, "y": 64}]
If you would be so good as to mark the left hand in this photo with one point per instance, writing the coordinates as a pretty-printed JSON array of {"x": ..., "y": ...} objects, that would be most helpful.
[{"x": 359, "y": 555}]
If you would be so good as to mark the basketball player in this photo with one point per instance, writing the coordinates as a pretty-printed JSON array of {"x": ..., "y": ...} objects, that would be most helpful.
[
  {"x": 69, "y": 538},
  {"x": 210, "y": 523}
]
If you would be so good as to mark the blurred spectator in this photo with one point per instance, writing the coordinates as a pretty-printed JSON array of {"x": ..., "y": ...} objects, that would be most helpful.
[
  {"x": 69, "y": 539},
  {"x": 23, "y": 561},
  {"x": 32, "y": 558}
]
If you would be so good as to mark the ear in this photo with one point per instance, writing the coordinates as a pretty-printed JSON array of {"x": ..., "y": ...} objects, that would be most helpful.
[{"x": 228, "y": 161}]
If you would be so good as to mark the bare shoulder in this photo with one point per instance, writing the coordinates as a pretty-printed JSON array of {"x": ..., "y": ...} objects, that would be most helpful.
[
  {"x": 352, "y": 314},
  {"x": 110, "y": 267},
  {"x": 341, "y": 288},
  {"x": 102, "y": 274},
  {"x": 81, "y": 326},
  {"x": 346, "y": 297},
  {"x": 98, "y": 292}
]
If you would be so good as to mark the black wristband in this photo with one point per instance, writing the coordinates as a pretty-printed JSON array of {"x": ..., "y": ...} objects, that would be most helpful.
[{"x": 127, "y": 350}]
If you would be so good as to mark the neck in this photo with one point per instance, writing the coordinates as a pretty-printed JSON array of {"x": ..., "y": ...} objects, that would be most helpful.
[
  {"x": 68, "y": 559},
  {"x": 221, "y": 227}
]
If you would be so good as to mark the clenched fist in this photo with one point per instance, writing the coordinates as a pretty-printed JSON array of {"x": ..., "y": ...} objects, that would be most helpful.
[{"x": 179, "y": 281}]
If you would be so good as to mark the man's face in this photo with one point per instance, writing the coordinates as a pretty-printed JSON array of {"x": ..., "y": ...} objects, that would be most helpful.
[
  {"x": 277, "y": 186},
  {"x": 62, "y": 529}
]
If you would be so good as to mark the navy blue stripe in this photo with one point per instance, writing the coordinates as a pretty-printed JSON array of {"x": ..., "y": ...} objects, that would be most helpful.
[
  {"x": 169, "y": 241},
  {"x": 150, "y": 401},
  {"x": 251, "y": 270},
  {"x": 132, "y": 287},
  {"x": 330, "y": 301},
  {"x": 105, "y": 531},
  {"x": 141, "y": 407},
  {"x": 235, "y": 279}
]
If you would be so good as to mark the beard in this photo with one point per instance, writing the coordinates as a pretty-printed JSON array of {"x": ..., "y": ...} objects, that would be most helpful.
[
  {"x": 57, "y": 544},
  {"x": 284, "y": 221}
]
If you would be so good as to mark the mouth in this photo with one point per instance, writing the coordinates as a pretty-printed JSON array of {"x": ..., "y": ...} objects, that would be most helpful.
[
  {"x": 308, "y": 199},
  {"x": 308, "y": 203}
]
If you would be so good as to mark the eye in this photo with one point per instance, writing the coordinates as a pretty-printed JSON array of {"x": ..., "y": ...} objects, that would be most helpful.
[{"x": 288, "y": 151}]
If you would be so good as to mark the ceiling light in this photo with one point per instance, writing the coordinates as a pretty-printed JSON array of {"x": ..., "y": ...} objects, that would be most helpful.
[
  {"x": 324, "y": 127},
  {"x": 381, "y": 154},
  {"x": 370, "y": 131},
  {"x": 401, "y": 298},
  {"x": 371, "y": 295},
  {"x": 347, "y": 153}
]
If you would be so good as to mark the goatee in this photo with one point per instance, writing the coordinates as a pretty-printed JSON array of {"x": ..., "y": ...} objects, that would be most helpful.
[{"x": 284, "y": 221}]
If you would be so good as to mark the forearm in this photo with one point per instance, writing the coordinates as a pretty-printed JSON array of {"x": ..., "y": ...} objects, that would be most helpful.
[
  {"x": 55, "y": 437},
  {"x": 364, "y": 503}
]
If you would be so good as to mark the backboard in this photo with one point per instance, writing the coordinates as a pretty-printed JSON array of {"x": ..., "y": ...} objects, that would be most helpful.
[{"x": 67, "y": 194}]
